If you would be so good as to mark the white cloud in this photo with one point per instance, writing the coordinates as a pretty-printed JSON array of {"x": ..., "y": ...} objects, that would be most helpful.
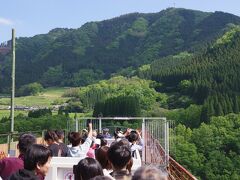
[{"x": 4, "y": 21}]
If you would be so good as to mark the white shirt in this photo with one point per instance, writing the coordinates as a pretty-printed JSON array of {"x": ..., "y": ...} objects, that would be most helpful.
[{"x": 81, "y": 150}]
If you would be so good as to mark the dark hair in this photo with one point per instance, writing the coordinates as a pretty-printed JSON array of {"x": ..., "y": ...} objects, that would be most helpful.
[
  {"x": 60, "y": 134},
  {"x": 124, "y": 142},
  {"x": 133, "y": 136},
  {"x": 119, "y": 155},
  {"x": 115, "y": 134},
  {"x": 25, "y": 141},
  {"x": 74, "y": 138},
  {"x": 36, "y": 154},
  {"x": 101, "y": 178},
  {"x": 101, "y": 156},
  {"x": 86, "y": 169},
  {"x": 50, "y": 135},
  {"x": 103, "y": 142},
  {"x": 148, "y": 173},
  {"x": 83, "y": 138}
]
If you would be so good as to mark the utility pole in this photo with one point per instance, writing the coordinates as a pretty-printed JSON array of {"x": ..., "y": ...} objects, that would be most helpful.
[{"x": 13, "y": 80}]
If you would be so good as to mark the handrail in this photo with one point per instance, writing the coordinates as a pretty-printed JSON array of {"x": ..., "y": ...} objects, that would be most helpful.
[{"x": 178, "y": 171}]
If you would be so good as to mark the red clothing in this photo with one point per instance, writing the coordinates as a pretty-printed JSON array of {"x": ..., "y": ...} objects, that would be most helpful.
[
  {"x": 91, "y": 153},
  {"x": 10, "y": 165}
]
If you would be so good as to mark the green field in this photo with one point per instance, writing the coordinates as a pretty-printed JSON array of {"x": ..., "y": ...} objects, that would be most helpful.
[
  {"x": 48, "y": 98},
  {"x": 6, "y": 113}
]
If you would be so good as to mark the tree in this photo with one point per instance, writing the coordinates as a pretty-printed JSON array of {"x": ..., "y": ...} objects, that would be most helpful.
[{"x": 30, "y": 89}]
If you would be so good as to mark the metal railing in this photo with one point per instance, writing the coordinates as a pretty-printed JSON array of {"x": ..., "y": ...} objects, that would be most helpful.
[
  {"x": 8, "y": 141},
  {"x": 155, "y": 131}
]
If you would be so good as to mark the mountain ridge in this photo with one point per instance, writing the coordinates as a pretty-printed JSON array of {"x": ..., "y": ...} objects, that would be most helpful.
[{"x": 98, "y": 49}]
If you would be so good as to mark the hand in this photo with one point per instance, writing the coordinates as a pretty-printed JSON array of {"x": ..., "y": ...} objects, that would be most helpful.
[
  {"x": 139, "y": 132},
  {"x": 129, "y": 130},
  {"x": 90, "y": 125}
]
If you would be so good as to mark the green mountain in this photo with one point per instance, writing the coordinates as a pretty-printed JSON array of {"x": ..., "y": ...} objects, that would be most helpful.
[
  {"x": 77, "y": 57},
  {"x": 210, "y": 78}
]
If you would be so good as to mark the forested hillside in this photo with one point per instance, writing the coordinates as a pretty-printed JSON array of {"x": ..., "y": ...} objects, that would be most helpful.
[
  {"x": 210, "y": 78},
  {"x": 77, "y": 57}
]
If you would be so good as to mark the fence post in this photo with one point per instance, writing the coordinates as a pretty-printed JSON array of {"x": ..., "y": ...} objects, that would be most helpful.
[
  {"x": 100, "y": 125},
  {"x": 143, "y": 137},
  {"x": 76, "y": 124},
  {"x": 166, "y": 138},
  {"x": 9, "y": 143}
]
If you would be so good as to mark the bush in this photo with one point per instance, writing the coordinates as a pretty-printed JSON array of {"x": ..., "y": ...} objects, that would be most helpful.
[
  {"x": 40, "y": 112},
  {"x": 30, "y": 89}
]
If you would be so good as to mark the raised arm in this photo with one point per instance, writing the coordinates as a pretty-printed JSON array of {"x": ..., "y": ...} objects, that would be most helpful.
[{"x": 90, "y": 130}]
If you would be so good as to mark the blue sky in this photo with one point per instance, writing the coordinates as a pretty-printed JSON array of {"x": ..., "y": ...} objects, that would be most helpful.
[{"x": 31, "y": 17}]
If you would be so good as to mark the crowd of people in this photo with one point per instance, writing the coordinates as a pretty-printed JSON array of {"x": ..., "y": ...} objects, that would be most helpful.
[{"x": 99, "y": 159}]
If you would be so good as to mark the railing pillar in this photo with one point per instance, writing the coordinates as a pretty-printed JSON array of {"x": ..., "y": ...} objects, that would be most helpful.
[
  {"x": 100, "y": 125},
  {"x": 76, "y": 124},
  {"x": 143, "y": 137}
]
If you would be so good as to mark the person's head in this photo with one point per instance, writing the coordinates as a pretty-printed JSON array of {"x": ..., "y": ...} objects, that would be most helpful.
[
  {"x": 103, "y": 142},
  {"x": 37, "y": 158},
  {"x": 116, "y": 132},
  {"x": 124, "y": 142},
  {"x": 86, "y": 169},
  {"x": 101, "y": 178},
  {"x": 60, "y": 135},
  {"x": 148, "y": 173},
  {"x": 105, "y": 130},
  {"x": 101, "y": 156},
  {"x": 84, "y": 132},
  {"x": 50, "y": 137},
  {"x": 133, "y": 137},
  {"x": 74, "y": 138},
  {"x": 119, "y": 155},
  {"x": 25, "y": 141}
]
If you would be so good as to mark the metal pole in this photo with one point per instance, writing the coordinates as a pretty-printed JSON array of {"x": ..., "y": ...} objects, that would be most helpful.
[
  {"x": 9, "y": 143},
  {"x": 100, "y": 125},
  {"x": 167, "y": 150},
  {"x": 166, "y": 144},
  {"x": 13, "y": 80},
  {"x": 144, "y": 141},
  {"x": 76, "y": 124}
]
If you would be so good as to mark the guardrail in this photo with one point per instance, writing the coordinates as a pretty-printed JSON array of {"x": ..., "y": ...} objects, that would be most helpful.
[
  {"x": 9, "y": 142},
  {"x": 177, "y": 171}
]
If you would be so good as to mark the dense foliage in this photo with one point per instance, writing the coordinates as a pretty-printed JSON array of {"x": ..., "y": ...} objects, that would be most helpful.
[
  {"x": 116, "y": 87},
  {"x": 120, "y": 106},
  {"x": 212, "y": 150},
  {"x": 38, "y": 113}
]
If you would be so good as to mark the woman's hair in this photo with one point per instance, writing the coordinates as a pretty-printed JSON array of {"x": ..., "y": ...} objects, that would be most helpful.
[
  {"x": 133, "y": 136},
  {"x": 25, "y": 141},
  {"x": 50, "y": 135},
  {"x": 37, "y": 154},
  {"x": 60, "y": 134},
  {"x": 74, "y": 138},
  {"x": 148, "y": 173},
  {"x": 101, "y": 156},
  {"x": 86, "y": 169}
]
